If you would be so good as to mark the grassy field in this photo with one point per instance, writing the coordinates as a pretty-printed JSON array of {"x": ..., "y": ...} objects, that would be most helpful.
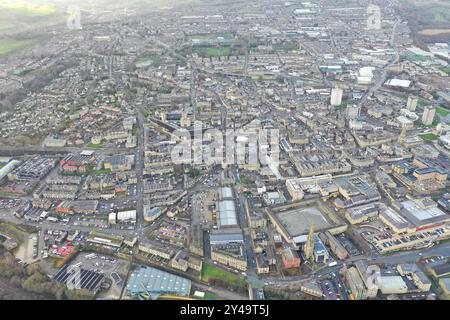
[
  {"x": 213, "y": 51},
  {"x": 11, "y": 45},
  {"x": 210, "y": 36},
  {"x": 421, "y": 125},
  {"x": 148, "y": 56},
  {"x": 442, "y": 111},
  {"x": 95, "y": 145},
  {"x": 211, "y": 272},
  {"x": 99, "y": 171},
  {"x": 12, "y": 231},
  {"x": 417, "y": 57},
  {"x": 429, "y": 137},
  {"x": 27, "y": 8},
  {"x": 441, "y": 14},
  {"x": 445, "y": 69}
]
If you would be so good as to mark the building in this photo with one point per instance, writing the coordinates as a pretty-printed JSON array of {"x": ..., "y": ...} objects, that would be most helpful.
[
  {"x": 419, "y": 278},
  {"x": 392, "y": 285},
  {"x": 321, "y": 254},
  {"x": 334, "y": 244},
  {"x": 231, "y": 254},
  {"x": 128, "y": 217},
  {"x": 225, "y": 237},
  {"x": 336, "y": 97},
  {"x": 294, "y": 189},
  {"x": 9, "y": 167},
  {"x": 182, "y": 261},
  {"x": 151, "y": 214},
  {"x": 352, "y": 112},
  {"x": 444, "y": 283},
  {"x": 156, "y": 250},
  {"x": 412, "y": 103},
  {"x": 227, "y": 208},
  {"x": 308, "y": 248},
  {"x": 312, "y": 288},
  {"x": 428, "y": 115},
  {"x": 262, "y": 265},
  {"x": 119, "y": 162},
  {"x": 290, "y": 258},
  {"x": 107, "y": 240},
  {"x": 354, "y": 283},
  {"x": 256, "y": 293},
  {"x": 439, "y": 271},
  {"x": 150, "y": 283}
]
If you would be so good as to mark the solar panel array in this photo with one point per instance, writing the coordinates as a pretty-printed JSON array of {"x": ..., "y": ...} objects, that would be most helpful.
[{"x": 88, "y": 279}]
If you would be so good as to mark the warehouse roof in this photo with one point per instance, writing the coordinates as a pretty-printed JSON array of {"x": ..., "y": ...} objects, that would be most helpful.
[
  {"x": 156, "y": 283},
  {"x": 227, "y": 213}
]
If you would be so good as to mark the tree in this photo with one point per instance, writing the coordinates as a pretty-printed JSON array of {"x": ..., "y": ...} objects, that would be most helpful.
[{"x": 79, "y": 294}]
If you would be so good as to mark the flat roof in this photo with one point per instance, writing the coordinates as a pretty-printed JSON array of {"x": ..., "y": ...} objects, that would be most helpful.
[
  {"x": 298, "y": 221},
  {"x": 219, "y": 237},
  {"x": 395, "y": 218},
  {"x": 156, "y": 283},
  {"x": 226, "y": 192},
  {"x": 392, "y": 282},
  {"x": 418, "y": 215},
  {"x": 227, "y": 213}
]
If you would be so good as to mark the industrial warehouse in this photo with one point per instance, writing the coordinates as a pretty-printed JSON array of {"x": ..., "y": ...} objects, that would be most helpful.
[{"x": 150, "y": 283}]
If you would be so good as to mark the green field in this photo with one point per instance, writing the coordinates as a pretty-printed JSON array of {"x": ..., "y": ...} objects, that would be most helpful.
[
  {"x": 95, "y": 145},
  {"x": 99, "y": 171},
  {"x": 12, "y": 231},
  {"x": 211, "y": 272},
  {"x": 27, "y": 9},
  {"x": 417, "y": 57},
  {"x": 421, "y": 125},
  {"x": 442, "y": 111},
  {"x": 10, "y": 45},
  {"x": 445, "y": 69},
  {"x": 209, "y": 36},
  {"x": 429, "y": 137},
  {"x": 213, "y": 51},
  {"x": 154, "y": 58},
  {"x": 441, "y": 14}
]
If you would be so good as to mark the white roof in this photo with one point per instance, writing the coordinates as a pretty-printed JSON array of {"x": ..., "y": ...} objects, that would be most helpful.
[
  {"x": 227, "y": 213},
  {"x": 389, "y": 284},
  {"x": 126, "y": 215},
  {"x": 398, "y": 83}
]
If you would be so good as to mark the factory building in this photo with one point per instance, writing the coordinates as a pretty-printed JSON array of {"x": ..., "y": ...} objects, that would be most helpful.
[{"x": 150, "y": 283}]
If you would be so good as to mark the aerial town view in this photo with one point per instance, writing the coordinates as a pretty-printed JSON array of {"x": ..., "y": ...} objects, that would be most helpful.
[{"x": 197, "y": 150}]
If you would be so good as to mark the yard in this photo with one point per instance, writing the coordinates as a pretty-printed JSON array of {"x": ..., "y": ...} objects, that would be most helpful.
[
  {"x": 429, "y": 137},
  {"x": 210, "y": 272},
  {"x": 442, "y": 111},
  {"x": 213, "y": 51}
]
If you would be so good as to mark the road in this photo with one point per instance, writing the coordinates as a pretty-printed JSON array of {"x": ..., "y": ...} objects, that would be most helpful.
[
  {"x": 382, "y": 77},
  {"x": 396, "y": 258},
  {"x": 139, "y": 168}
]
